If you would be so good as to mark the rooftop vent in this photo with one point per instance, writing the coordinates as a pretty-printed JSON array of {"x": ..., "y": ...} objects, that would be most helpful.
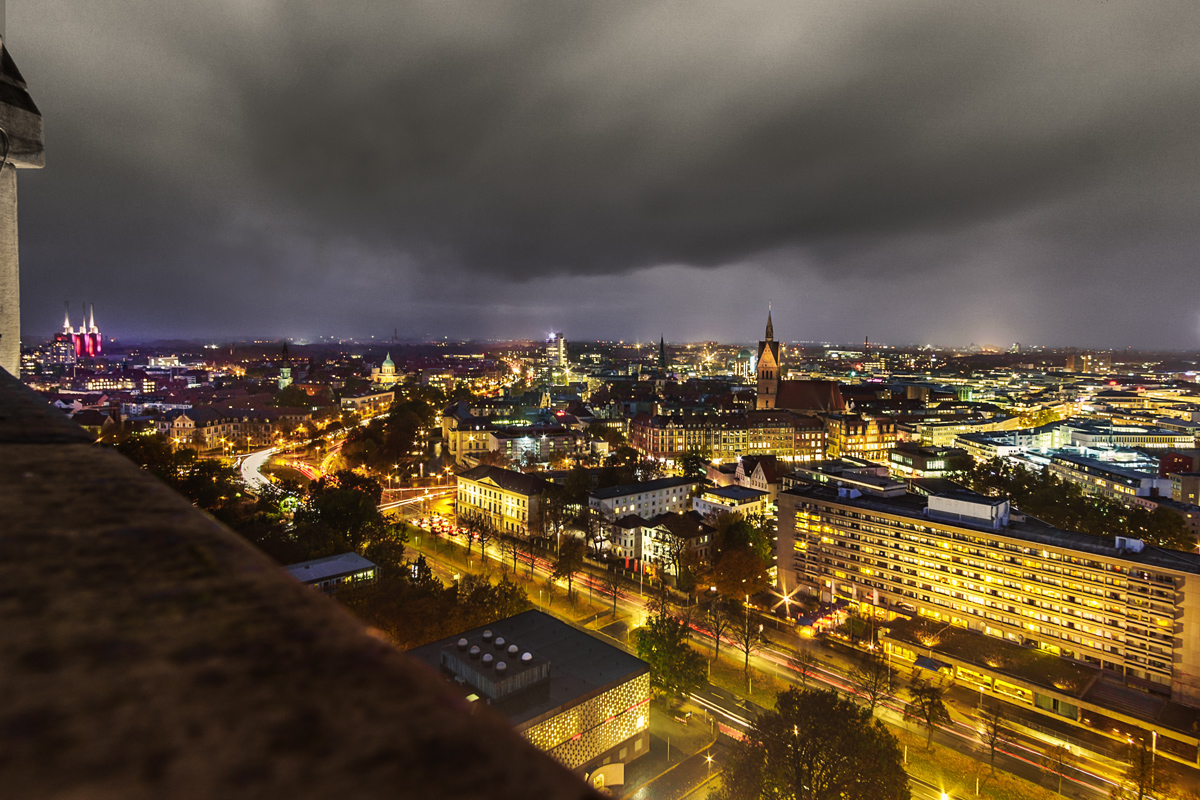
[
  {"x": 499, "y": 642},
  {"x": 513, "y": 650},
  {"x": 487, "y": 636},
  {"x": 474, "y": 651},
  {"x": 527, "y": 656},
  {"x": 462, "y": 644},
  {"x": 501, "y": 667},
  {"x": 487, "y": 659}
]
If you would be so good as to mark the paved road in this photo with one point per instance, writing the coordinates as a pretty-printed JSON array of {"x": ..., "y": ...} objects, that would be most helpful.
[
  {"x": 252, "y": 469},
  {"x": 1021, "y": 758}
]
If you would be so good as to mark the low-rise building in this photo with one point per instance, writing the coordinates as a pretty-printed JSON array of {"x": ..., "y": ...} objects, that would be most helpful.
[
  {"x": 334, "y": 572},
  {"x": 911, "y": 461},
  {"x": 578, "y": 698},
  {"x": 738, "y": 500}
]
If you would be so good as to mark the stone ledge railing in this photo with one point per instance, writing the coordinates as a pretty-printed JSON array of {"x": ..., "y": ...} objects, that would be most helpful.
[{"x": 148, "y": 652}]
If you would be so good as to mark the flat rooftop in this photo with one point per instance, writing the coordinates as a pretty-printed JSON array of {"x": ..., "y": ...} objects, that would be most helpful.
[
  {"x": 735, "y": 492},
  {"x": 646, "y": 486},
  {"x": 581, "y": 665},
  {"x": 1032, "y": 531},
  {"x": 329, "y": 567}
]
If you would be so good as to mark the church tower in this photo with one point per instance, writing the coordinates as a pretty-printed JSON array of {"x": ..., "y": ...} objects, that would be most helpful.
[
  {"x": 285, "y": 368},
  {"x": 768, "y": 368}
]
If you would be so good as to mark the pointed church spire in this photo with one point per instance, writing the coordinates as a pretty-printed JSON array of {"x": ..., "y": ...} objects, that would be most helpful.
[
  {"x": 67, "y": 318},
  {"x": 770, "y": 327},
  {"x": 92, "y": 318}
]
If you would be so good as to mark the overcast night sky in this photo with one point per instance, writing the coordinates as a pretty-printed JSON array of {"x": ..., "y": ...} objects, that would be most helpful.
[{"x": 946, "y": 172}]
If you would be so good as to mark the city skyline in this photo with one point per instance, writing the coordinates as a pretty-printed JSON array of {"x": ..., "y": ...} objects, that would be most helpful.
[{"x": 994, "y": 175}]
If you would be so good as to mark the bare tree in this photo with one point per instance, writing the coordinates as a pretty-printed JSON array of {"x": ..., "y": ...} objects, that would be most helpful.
[
  {"x": 995, "y": 731},
  {"x": 718, "y": 616},
  {"x": 611, "y": 581},
  {"x": 872, "y": 676},
  {"x": 510, "y": 546},
  {"x": 485, "y": 532},
  {"x": 1058, "y": 759},
  {"x": 1140, "y": 777},
  {"x": 805, "y": 661},
  {"x": 927, "y": 705},
  {"x": 468, "y": 523},
  {"x": 594, "y": 529},
  {"x": 570, "y": 560},
  {"x": 747, "y": 635}
]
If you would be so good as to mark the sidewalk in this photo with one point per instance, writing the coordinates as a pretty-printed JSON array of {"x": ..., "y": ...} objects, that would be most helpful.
[{"x": 686, "y": 743}]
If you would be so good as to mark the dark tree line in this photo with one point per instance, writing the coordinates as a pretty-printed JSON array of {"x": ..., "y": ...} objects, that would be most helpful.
[
  {"x": 386, "y": 441},
  {"x": 1064, "y": 505}
]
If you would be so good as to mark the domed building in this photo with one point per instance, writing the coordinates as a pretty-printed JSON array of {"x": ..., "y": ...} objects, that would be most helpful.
[{"x": 385, "y": 376}]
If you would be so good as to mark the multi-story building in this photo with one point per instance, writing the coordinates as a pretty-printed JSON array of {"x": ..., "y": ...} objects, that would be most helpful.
[
  {"x": 909, "y": 461},
  {"x": 1131, "y": 483},
  {"x": 732, "y": 500},
  {"x": 646, "y": 499},
  {"x": 1091, "y": 433},
  {"x": 1185, "y": 487},
  {"x": 1129, "y": 609},
  {"x": 783, "y": 434},
  {"x": 539, "y": 443},
  {"x": 758, "y": 472},
  {"x": 669, "y": 540},
  {"x": 508, "y": 498},
  {"x": 1090, "y": 362},
  {"x": 556, "y": 351},
  {"x": 573, "y": 696},
  {"x": 465, "y": 435},
  {"x": 368, "y": 404},
  {"x": 871, "y": 438},
  {"x": 210, "y": 429}
]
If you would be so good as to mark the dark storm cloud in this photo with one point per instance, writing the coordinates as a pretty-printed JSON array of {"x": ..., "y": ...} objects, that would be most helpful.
[{"x": 256, "y": 148}]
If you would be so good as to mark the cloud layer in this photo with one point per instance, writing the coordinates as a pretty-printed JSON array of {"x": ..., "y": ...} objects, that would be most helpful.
[{"x": 914, "y": 171}]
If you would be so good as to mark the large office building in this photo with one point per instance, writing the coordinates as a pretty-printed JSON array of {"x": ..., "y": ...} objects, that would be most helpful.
[
  {"x": 578, "y": 698},
  {"x": 1126, "y": 611}
]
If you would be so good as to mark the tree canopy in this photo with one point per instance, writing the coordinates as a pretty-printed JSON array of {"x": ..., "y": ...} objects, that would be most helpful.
[
  {"x": 815, "y": 746},
  {"x": 1064, "y": 505},
  {"x": 675, "y": 668}
]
